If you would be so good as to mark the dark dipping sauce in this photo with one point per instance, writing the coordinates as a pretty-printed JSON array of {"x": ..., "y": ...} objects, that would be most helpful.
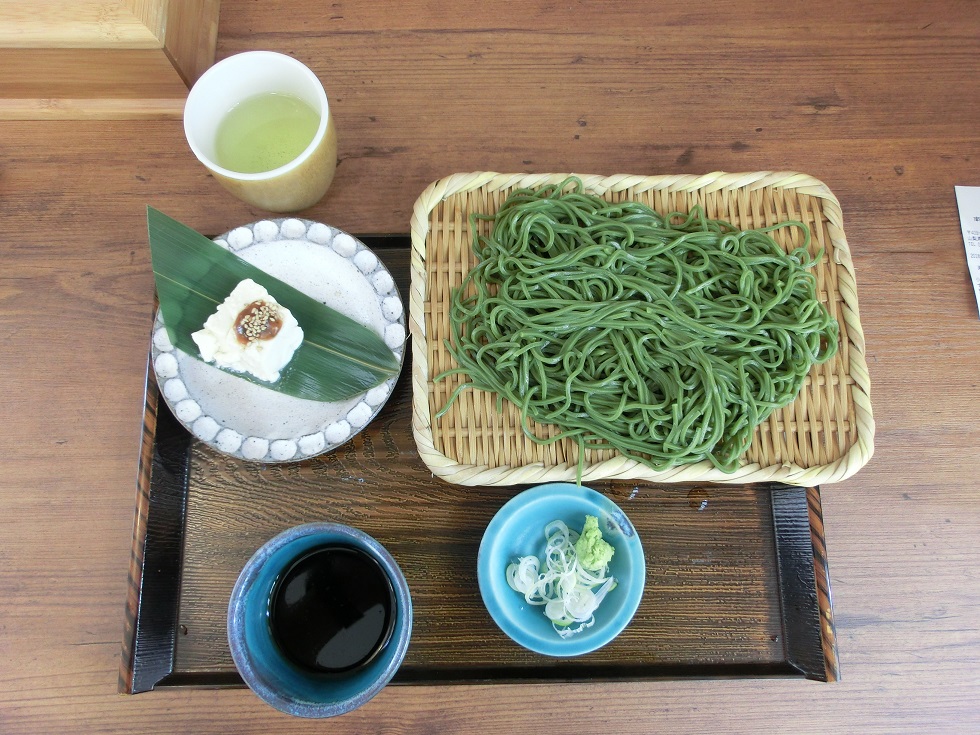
[{"x": 332, "y": 610}]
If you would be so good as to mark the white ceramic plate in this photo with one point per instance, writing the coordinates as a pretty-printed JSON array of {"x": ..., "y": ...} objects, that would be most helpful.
[{"x": 252, "y": 422}]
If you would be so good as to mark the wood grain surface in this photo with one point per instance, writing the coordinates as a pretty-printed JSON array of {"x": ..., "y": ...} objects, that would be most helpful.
[
  {"x": 880, "y": 100},
  {"x": 99, "y": 59},
  {"x": 81, "y": 24},
  {"x": 713, "y": 598}
]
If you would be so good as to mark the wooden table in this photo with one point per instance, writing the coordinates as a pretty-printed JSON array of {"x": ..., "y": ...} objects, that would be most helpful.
[{"x": 880, "y": 100}]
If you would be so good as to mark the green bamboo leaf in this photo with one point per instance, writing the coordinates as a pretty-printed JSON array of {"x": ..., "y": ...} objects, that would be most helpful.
[{"x": 338, "y": 358}]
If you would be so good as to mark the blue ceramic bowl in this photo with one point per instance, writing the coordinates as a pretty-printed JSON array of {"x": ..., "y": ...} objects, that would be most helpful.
[
  {"x": 518, "y": 530},
  {"x": 266, "y": 671}
]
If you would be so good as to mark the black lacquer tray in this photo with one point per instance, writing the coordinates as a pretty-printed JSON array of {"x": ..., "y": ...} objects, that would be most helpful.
[{"x": 737, "y": 576}]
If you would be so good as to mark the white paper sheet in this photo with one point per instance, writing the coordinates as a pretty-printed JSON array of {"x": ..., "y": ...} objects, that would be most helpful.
[{"x": 968, "y": 201}]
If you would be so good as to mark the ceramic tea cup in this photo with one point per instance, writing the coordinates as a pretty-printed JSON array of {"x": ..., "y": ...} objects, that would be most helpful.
[{"x": 294, "y": 184}]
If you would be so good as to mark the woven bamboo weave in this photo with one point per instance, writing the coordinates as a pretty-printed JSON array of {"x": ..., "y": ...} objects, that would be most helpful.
[{"x": 826, "y": 435}]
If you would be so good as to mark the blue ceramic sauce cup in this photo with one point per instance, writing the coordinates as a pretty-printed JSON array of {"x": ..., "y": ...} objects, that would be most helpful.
[
  {"x": 518, "y": 530},
  {"x": 266, "y": 670}
]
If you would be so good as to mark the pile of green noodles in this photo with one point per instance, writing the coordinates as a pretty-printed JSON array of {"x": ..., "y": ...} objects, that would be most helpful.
[{"x": 668, "y": 339}]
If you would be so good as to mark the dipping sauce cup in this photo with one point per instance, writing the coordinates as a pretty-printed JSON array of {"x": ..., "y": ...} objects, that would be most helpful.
[
  {"x": 316, "y": 666},
  {"x": 295, "y": 184}
]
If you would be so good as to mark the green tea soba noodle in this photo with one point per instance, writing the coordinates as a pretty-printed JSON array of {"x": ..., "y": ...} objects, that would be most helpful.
[{"x": 666, "y": 338}]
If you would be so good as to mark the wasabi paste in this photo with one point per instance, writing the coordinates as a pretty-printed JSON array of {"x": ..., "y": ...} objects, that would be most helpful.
[{"x": 592, "y": 551}]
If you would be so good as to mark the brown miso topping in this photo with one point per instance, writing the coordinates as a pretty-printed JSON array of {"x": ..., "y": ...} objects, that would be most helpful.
[{"x": 257, "y": 321}]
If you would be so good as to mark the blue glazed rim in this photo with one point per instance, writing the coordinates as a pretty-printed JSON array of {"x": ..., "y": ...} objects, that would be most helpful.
[
  {"x": 518, "y": 529},
  {"x": 263, "y": 668}
]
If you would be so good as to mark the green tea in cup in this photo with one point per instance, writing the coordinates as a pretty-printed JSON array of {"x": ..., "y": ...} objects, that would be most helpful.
[
  {"x": 265, "y": 132},
  {"x": 261, "y": 124}
]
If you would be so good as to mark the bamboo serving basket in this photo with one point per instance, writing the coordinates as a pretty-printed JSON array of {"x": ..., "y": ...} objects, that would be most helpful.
[{"x": 826, "y": 435}]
